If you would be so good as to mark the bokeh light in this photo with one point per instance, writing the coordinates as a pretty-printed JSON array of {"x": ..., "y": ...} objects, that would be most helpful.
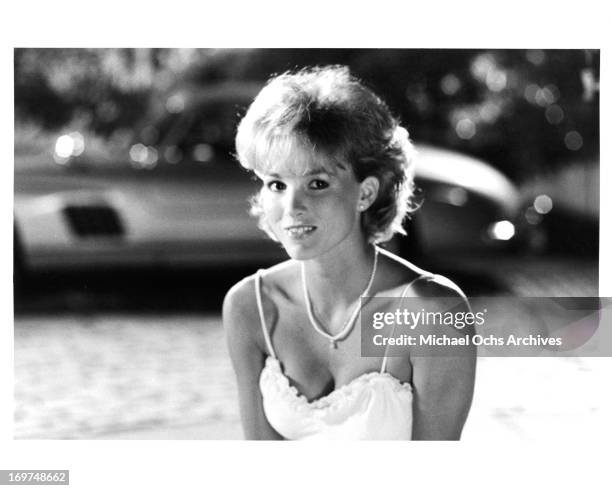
[
  {"x": 138, "y": 152},
  {"x": 175, "y": 104},
  {"x": 544, "y": 97},
  {"x": 532, "y": 216},
  {"x": 465, "y": 128},
  {"x": 535, "y": 56},
  {"x": 530, "y": 93},
  {"x": 489, "y": 112},
  {"x": 573, "y": 140},
  {"x": 502, "y": 230},
  {"x": 554, "y": 90},
  {"x": 67, "y": 146},
  {"x": 173, "y": 154},
  {"x": 496, "y": 80},
  {"x": 143, "y": 157},
  {"x": 64, "y": 146},
  {"x": 482, "y": 65},
  {"x": 485, "y": 69},
  {"x": 554, "y": 114},
  {"x": 202, "y": 152},
  {"x": 450, "y": 84},
  {"x": 543, "y": 204}
]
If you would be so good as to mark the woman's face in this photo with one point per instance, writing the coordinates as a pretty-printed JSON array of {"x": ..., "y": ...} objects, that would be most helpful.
[{"x": 311, "y": 212}]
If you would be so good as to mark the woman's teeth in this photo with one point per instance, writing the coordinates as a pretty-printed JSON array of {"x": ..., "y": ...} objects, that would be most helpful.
[{"x": 298, "y": 232}]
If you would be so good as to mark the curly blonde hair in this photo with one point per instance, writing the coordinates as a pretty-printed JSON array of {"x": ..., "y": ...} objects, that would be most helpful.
[{"x": 332, "y": 116}]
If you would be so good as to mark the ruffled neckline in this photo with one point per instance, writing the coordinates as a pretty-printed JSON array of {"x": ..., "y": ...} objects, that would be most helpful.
[{"x": 273, "y": 373}]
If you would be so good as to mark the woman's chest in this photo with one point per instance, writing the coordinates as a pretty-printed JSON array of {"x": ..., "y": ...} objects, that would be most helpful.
[{"x": 316, "y": 367}]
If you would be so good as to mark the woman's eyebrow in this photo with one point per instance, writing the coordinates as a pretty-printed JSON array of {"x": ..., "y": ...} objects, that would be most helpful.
[
  {"x": 312, "y": 172},
  {"x": 318, "y": 170}
]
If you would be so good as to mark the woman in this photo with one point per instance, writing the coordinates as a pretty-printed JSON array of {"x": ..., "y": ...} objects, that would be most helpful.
[{"x": 336, "y": 180}]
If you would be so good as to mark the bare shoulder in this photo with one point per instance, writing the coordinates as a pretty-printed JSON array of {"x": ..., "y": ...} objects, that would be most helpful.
[
  {"x": 436, "y": 285},
  {"x": 279, "y": 282},
  {"x": 241, "y": 322},
  {"x": 394, "y": 273},
  {"x": 421, "y": 283},
  {"x": 240, "y": 305},
  {"x": 240, "y": 308}
]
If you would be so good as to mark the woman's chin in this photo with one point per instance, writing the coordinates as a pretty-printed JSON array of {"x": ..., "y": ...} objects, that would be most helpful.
[
  {"x": 299, "y": 252},
  {"x": 298, "y": 255}
]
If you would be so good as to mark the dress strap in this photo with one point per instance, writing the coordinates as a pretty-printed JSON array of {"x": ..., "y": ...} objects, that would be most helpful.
[
  {"x": 383, "y": 366},
  {"x": 404, "y": 294},
  {"x": 262, "y": 318}
]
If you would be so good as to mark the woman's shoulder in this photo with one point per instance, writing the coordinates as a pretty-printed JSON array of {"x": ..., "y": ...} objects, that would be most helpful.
[
  {"x": 242, "y": 318},
  {"x": 240, "y": 303},
  {"x": 278, "y": 282},
  {"x": 241, "y": 299},
  {"x": 411, "y": 280}
]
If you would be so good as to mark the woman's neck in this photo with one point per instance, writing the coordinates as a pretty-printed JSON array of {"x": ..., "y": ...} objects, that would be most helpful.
[{"x": 337, "y": 279}]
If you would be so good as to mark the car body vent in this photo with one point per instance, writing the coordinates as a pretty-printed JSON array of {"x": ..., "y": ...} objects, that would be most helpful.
[{"x": 94, "y": 221}]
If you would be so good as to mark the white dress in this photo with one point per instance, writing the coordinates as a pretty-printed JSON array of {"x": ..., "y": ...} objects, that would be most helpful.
[{"x": 373, "y": 406}]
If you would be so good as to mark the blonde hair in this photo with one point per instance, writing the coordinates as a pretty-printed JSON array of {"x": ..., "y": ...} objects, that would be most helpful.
[{"x": 325, "y": 112}]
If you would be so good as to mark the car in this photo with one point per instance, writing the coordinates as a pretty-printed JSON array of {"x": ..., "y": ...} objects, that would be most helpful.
[{"x": 173, "y": 195}]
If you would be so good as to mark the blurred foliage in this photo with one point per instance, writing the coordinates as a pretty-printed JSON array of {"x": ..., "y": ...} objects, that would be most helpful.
[{"x": 525, "y": 111}]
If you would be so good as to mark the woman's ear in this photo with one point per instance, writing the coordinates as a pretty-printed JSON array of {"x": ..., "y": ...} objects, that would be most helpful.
[{"x": 368, "y": 191}]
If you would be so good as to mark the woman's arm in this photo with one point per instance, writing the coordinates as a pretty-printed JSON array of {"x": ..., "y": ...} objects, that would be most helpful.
[
  {"x": 443, "y": 386},
  {"x": 243, "y": 334}
]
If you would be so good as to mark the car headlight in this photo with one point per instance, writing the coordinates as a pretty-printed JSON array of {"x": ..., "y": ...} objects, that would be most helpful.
[
  {"x": 67, "y": 146},
  {"x": 501, "y": 230}
]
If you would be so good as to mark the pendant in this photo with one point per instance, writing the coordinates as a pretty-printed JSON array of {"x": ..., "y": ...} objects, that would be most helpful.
[{"x": 333, "y": 344}]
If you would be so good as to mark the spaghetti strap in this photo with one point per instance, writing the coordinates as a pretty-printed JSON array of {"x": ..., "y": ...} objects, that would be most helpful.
[
  {"x": 383, "y": 366},
  {"x": 409, "y": 285},
  {"x": 261, "y": 314}
]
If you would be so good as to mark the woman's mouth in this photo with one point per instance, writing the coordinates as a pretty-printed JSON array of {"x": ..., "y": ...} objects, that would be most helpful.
[{"x": 300, "y": 231}]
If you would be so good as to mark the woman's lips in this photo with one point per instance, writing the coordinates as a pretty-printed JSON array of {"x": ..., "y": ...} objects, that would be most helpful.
[{"x": 300, "y": 231}]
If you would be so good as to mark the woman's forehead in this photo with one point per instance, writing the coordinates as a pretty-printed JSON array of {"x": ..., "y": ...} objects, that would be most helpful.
[
  {"x": 292, "y": 158},
  {"x": 295, "y": 168}
]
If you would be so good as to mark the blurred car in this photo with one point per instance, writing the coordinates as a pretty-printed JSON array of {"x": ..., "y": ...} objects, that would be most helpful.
[{"x": 174, "y": 196}]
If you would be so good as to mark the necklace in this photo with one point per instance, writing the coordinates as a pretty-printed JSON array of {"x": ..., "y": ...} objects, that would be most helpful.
[{"x": 346, "y": 328}]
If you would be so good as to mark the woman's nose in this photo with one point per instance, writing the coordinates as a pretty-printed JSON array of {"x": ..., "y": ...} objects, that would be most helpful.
[{"x": 295, "y": 202}]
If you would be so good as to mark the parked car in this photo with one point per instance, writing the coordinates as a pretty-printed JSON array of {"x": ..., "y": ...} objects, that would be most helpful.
[{"x": 175, "y": 196}]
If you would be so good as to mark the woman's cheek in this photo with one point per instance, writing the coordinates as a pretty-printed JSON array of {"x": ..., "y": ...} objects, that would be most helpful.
[{"x": 271, "y": 209}]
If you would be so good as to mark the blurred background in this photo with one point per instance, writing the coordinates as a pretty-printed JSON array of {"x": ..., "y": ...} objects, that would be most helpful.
[{"x": 131, "y": 220}]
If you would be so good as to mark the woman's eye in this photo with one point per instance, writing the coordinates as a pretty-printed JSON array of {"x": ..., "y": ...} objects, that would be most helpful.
[
  {"x": 276, "y": 185},
  {"x": 319, "y": 184}
]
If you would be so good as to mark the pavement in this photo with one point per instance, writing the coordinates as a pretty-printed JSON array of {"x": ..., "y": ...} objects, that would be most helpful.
[{"x": 96, "y": 376}]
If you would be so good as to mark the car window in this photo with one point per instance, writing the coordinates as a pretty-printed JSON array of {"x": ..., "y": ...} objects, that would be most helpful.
[
  {"x": 212, "y": 125},
  {"x": 202, "y": 134}
]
